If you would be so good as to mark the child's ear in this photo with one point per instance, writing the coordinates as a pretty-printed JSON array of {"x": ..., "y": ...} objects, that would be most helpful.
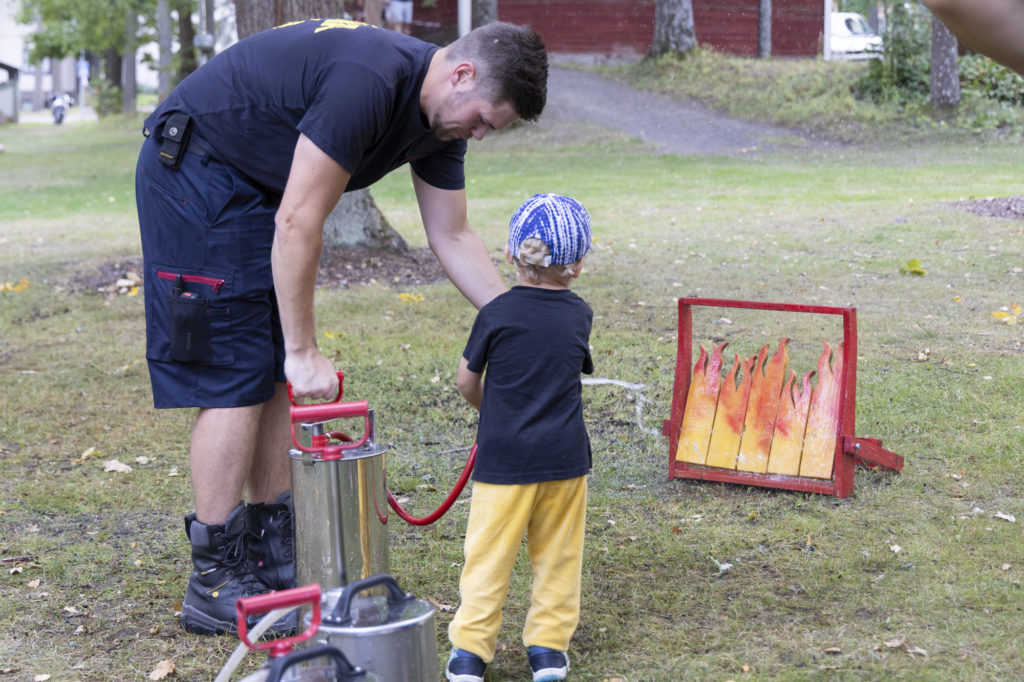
[
  {"x": 577, "y": 268},
  {"x": 508, "y": 255}
]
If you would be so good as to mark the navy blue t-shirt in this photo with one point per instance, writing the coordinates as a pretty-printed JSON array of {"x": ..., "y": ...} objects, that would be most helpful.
[
  {"x": 533, "y": 343},
  {"x": 351, "y": 88}
]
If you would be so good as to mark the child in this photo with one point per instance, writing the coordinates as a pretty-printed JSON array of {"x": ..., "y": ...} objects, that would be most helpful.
[{"x": 533, "y": 452}]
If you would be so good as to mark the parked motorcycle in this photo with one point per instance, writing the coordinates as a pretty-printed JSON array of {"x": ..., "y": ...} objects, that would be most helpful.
[{"x": 60, "y": 108}]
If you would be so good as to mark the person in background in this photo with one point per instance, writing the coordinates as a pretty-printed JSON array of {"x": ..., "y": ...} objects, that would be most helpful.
[
  {"x": 533, "y": 451},
  {"x": 241, "y": 165},
  {"x": 400, "y": 16}
]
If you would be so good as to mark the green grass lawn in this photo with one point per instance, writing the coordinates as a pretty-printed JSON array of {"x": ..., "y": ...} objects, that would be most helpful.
[{"x": 95, "y": 562}]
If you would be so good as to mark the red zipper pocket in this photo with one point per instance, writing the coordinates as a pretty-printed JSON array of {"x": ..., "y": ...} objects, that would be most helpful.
[{"x": 211, "y": 282}]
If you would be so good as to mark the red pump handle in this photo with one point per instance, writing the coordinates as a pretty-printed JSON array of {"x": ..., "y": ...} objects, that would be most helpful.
[
  {"x": 341, "y": 389},
  {"x": 321, "y": 412},
  {"x": 265, "y": 603}
]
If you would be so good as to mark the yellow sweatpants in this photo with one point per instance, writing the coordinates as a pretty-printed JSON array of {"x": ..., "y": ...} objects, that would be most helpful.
[{"x": 552, "y": 515}]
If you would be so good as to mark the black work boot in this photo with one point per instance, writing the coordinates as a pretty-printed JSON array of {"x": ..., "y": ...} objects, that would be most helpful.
[
  {"x": 272, "y": 542},
  {"x": 220, "y": 576}
]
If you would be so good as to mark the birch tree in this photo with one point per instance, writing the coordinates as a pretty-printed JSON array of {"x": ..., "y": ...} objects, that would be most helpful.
[{"x": 673, "y": 28}]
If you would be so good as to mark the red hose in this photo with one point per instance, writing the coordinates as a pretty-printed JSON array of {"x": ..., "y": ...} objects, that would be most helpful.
[{"x": 448, "y": 502}]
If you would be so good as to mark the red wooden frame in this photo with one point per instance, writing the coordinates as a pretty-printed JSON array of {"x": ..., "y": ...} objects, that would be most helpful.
[{"x": 850, "y": 450}]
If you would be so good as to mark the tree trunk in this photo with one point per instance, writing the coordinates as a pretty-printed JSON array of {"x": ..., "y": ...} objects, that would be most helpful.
[
  {"x": 112, "y": 67},
  {"x": 764, "y": 29},
  {"x": 163, "y": 39},
  {"x": 187, "y": 62},
  {"x": 484, "y": 12},
  {"x": 128, "y": 83},
  {"x": 356, "y": 220},
  {"x": 673, "y": 28},
  {"x": 253, "y": 16},
  {"x": 945, "y": 73}
]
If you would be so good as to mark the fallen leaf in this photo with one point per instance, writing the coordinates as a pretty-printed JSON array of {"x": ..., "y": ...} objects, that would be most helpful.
[
  {"x": 895, "y": 549},
  {"x": 116, "y": 466},
  {"x": 1005, "y": 517},
  {"x": 41, "y": 678},
  {"x": 35, "y": 583},
  {"x": 10, "y": 286},
  {"x": 443, "y": 608},
  {"x": 162, "y": 670},
  {"x": 833, "y": 650},
  {"x": 896, "y": 643},
  {"x": 89, "y": 452},
  {"x": 912, "y": 267},
  {"x": 1006, "y": 567},
  {"x": 917, "y": 651},
  {"x": 723, "y": 568}
]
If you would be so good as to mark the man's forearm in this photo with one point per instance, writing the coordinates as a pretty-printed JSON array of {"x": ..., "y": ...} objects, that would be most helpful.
[
  {"x": 468, "y": 265},
  {"x": 295, "y": 258}
]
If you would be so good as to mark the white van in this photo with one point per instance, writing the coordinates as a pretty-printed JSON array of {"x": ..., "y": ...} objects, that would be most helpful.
[{"x": 851, "y": 37}]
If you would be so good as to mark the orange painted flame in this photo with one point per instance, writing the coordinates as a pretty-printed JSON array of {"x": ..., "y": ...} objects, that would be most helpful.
[
  {"x": 823, "y": 417},
  {"x": 732, "y": 406},
  {"x": 763, "y": 408},
  {"x": 790, "y": 424},
  {"x": 701, "y": 402}
]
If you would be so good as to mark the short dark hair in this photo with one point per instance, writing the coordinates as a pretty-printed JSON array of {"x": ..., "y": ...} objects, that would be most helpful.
[{"x": 511, "y": 63}]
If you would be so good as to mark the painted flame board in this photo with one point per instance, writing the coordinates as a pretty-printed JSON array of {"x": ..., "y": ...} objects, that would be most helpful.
[
  {"x": 789, "y": 426},
  {"x": 823, "y": 417},
  {"x": 701, "y": 401},
  {"x": 762, "y": 410},
  {"x": 732, "y": 406}
]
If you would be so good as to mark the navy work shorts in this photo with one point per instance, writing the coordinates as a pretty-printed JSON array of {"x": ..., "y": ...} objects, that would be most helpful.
[{"x": 213, "y": 333}]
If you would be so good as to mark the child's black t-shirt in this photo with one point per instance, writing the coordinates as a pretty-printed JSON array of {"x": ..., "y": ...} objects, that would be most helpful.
[{"x": 533, "y": 343}]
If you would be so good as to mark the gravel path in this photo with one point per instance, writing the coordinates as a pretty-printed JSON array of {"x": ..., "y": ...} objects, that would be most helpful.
[{"x": 670, "y": 126}]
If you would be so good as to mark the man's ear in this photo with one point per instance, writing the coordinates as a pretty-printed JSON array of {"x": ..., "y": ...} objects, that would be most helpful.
[{"x": 463, "y": 73}]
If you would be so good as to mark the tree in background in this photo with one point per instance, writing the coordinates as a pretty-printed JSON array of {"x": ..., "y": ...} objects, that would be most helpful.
[
  {"x": 111, "y": 28},
  {"x": 674, "y": 32},
  {"x": 945, "y": 73},
  {"x": 484, "y": 12},
  {"x": 764, "y": 29},
  {"x": 356, "y": 220}
]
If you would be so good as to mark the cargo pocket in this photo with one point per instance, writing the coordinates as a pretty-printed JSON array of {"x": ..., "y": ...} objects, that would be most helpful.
[{"x": 188, "y": 319}]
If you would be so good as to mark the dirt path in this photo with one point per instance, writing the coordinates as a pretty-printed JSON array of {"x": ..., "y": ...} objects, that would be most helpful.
[{"x": 669, "y": 126}]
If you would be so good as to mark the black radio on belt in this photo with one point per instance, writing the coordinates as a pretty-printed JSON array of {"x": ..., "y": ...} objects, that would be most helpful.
[{"x": 175, "y": 135}]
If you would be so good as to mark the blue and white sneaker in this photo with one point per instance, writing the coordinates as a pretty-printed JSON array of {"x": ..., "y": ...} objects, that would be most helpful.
[
  {"x": 465, "y": 667},
  {"x": 548, "y": 665}
]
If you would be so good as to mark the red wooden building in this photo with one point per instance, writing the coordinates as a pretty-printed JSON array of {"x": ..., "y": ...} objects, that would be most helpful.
[{"x": 626, "y": 27}]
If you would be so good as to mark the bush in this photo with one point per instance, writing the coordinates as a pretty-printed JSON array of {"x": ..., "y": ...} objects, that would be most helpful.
[
  {"x": 902, "y": 72},
  {"x": 995, "y": 81},
  {"x": 107, "y": 98}
]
